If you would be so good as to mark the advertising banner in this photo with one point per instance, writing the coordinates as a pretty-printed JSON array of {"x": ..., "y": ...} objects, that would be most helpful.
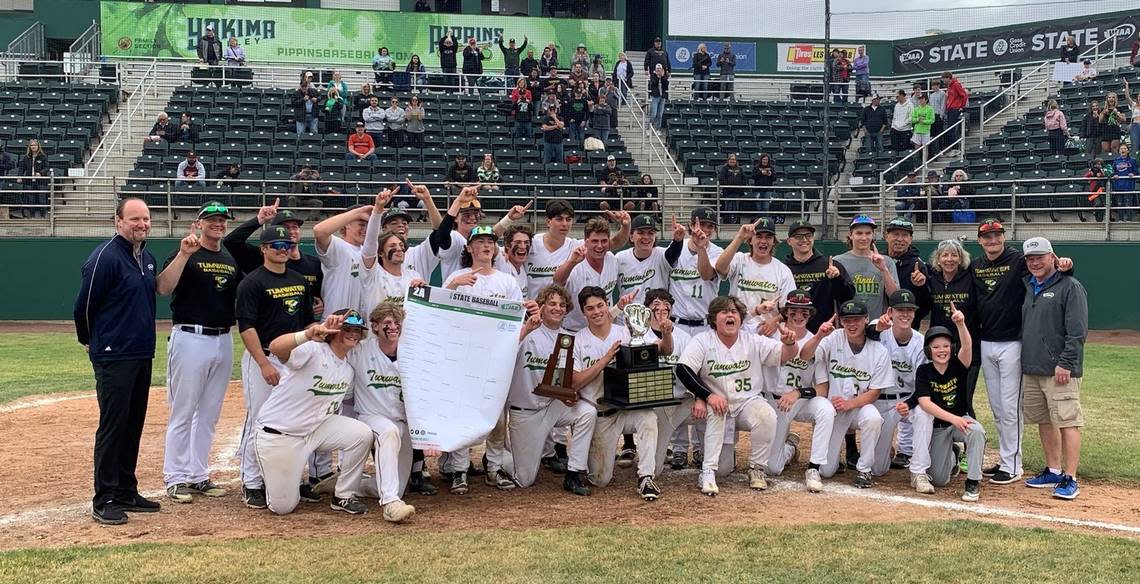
[
  {"x": 1025, "y": 43},
  {"x": 349, "y": 37},
  {"x": 681, "y": 54},
  {"x": 808, "y": 57}
]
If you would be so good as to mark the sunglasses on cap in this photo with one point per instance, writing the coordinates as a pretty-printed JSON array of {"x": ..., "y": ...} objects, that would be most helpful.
[
  {"x": 353, "y": 319},
  {"x": 215, "y": 209},
  {"x": 990, "y": 226},
  {"x": 282, "y": 245}
]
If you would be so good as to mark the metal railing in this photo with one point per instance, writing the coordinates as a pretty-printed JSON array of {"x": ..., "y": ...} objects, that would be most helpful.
[
  {"x": 83, "y": 54},
  {"x": 30, "y": 44},
  {"x": 652, "y": 145},
  {"x": 121, "y": 130},
  {"x": 958, "y": 143}
]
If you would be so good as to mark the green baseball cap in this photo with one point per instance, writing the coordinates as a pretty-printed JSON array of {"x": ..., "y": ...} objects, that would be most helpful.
[
  {"x": 284, "y": 216},
  {"x": 643, "y": 222},
  {"x": 799, "y": 224},
  {"x": 394, "y": 213},
  {"x": 765, "y": 225},
  {"x": 483, "y": 231},
  {"x": 274, "y": 234},
  {"x": 852, "y": 308},
  {"x": 703, "y": 214},
  {"x": 903, "y": 298},
  {"x": 214, "y": 208}
]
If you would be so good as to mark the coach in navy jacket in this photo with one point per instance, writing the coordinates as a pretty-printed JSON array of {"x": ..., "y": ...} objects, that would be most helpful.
[{"x": 114, "y": 321}]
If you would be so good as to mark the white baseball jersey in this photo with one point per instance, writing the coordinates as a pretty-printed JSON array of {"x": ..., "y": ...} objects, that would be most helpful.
[
  {"x": 691, "y": 293},
  {"x": 542, "y": 263},
  {"x": 680, "y": 339},
  {"x": 795, "y": 374},
  {"x": 642, "y": 275},
  {"x": 421, "y": 260},
  {"x": 519, "y": 274},
  {"x": 343, "y": 269},
  {"x": 731, "y": 372},
  {"x": 849, "y": 374},
  {"x": 377, "y": 389},
  {"x": 530, "y": 366},
  {"x": 450, "y": 258},
  {"x": 753, "y": 282},
  {"x": 311, "y": 390},
  {"x": 382, "y": 286},
  {"x": 588, "y": 349},
  {"x": 905, "y": 359},
  {"x": 493, "y": 285},
  {"x": 584, "y": 275}
]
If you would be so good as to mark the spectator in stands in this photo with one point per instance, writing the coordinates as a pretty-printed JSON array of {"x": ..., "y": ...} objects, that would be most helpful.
[
  {"x": 931, "y": 192},
  {"x": 1057, "y": 127},
  {"x": 861, "y": 66},
  {"x": 338, "y": 83},
  {"x": 360, "y": 145},
  {"x": 1134, "y": 107},
  {"x": 229, "y": 176},
  {"x": 529, "y": 63},
  {"x": 334, "y": 111},
  {"x": 702, "y": 67},
  {"x": 7, "y": 163},
  {"x": 937, "y": 97},
  {"x": 598, "y": 68},
  {"x": 162, "y": 129},
  {"x": 1096, "y": 177},
  {"x": 34, "y": 165},
  {"x": 534, "y": 83},
  {"x": 447, "y": 50},
  {"x": 383, "y": 65},
  {"x": 459, "y": 174},
  {"x": 1087, "y": 73},
  {"x": 520, "y": 90},
  {"x": 523, "y": 111},
  {"x": 1069, "y": 51},
  {"x": 915, "y": 91},
  {"x": 511, "y": 67},
  {"x": 553, "y": 52},
  {"x": 921, "y": 119},
  {"x": 191, "y": 170},
  {"x": 187, "y": 130},
  {"x": 553, "y": 130},
  {"x": 956, "y": 196},
  {"x": 473, "y": 57},
  {"x": 623, "y": 75},
  {"x": 901, "y": 122},
  {"x": 656, "y": 56},
  {"x": 613, "y": 99},
  {"x": 234, "y": 54},
  {"x": 873, "y": 120},
  {"x": 417, "y": 75},
  {"x": 305, "y": 182},
  {"x": 576, "y": 113},
  {"x": 619, "y": 194},
  {"x": 600, "y": 118},
  {"x": 415, "y": 128},
  {"x": 1091, "y": 129},
  {"x": 594, "y": 89},
  {"x": 839, "y": 75},
  {"x": 763, "y": 177},
  {"x": 726, "y": 62},
  {"x": 956, "y": 98},
  {"x": 421, "y": 6},
  {"x": 604, "y": 174},
  {"x": 907, "y": 196},
  {"x": 658, "y": 94},
  {"x": 209, "y": 47},
  {"x": 550, "y": 100},
  {"x": 581, "y": 56},
  {"x": 362, "y": 100},
  {"x": 395, "y": 119},
  {"x": 645, "y": 194},
  {"x": 1124, "y": 173},
  {"x": 488, "y": 174},
  {"x": 1134, "y": 56},
  {"x": 1111, "y": 119},
  {"x": 548, "y": 60},
  {"x": 730, "y": 174},
  {"x": 374, "y": 119},
  {"x": 556, "y": 83},
  {"x": 578, "y": 77},
  {"x": 305, "y": 109}
]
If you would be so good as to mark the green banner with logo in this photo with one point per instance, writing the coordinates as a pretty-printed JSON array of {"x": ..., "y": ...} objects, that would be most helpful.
[{"x": 348, "y": 37}]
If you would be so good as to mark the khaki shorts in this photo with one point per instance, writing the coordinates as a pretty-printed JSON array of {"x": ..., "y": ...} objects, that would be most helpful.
[{"x": 1047, "y": 402}]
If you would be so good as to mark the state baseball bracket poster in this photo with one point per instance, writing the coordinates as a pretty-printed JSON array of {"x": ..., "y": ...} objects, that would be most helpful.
[{"x": 457, "y": 354}]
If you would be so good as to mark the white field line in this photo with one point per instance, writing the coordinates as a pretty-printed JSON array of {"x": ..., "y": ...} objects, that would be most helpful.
[{"x": 43, "y": 401}]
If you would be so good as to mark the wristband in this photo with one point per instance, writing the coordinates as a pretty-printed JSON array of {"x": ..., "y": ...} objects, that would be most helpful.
[
  {"x": 300, "y": 338},
  {"x": 503, "y": 223}
]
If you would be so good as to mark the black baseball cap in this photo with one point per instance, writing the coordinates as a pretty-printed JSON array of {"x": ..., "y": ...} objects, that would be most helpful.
[
  {"x": 284, "y": 216},
  {"x": 852, "y": 308},
  {"x": 274, "y": 234},
  {"x": 990, "y": 226},
  {"x": 703, "y": 214},
  {"x": 765, "y": 225},
  {"x": 901, "y": 224},
  {"x": 799, "y": 298},
  {"x": 902, "y": 298},
  {"x": 558, "y": 207},
  {"x": 643, "y": 222},
  {"x": 213, "y": 209},
  {"x": 799, "y": 224},
  {"x": 394, "y": 213}
]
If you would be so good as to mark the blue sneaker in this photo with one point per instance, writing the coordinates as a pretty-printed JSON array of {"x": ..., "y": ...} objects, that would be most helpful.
[
  {"x": 1045, "y": 480},
  {"x": 1068, "y": 489}
]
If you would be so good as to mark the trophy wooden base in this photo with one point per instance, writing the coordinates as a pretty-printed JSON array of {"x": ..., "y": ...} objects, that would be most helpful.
[
  {"x": 562, "y": 394},
  {"x": 647, "y": 387}
]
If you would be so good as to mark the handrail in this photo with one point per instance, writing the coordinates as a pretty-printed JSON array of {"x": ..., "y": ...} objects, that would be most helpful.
[
  {"x": 29, "y": 42},
  {"x": 86, "y": 47},
  {"x": 649, "y": 134},
  {"x": 1014, "y": 88},
  {"x": 127, "y": 112}
]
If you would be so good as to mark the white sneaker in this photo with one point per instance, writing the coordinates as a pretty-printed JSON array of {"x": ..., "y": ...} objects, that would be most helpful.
[
  {"x": 757, "y": 480},
  {"x": 397, "y": 511},
  {"x": 921, "y": 483},
  {"x": 813, "y": 481},
  {"x": 707, "y": 483}
]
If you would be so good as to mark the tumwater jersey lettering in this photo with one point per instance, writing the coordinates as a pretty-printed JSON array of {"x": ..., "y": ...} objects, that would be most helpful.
[
  {"x": 691, "y": 293},
  {"x": 542, "y": 263},
  {"x": 530, "y": 367},
  {"x": 289, "y": 296},
  {"x": 377, "y": 387},
  {"x": 534, "y": 362},
  {"x": 947, "y": 391},
  {"x": 223, "y": 273},
  {"x": 849, "y": 374},
  {"x": 806, "y": 280},
  {"x": 840, "y": 371},
  {"x": 314, "y": 383},
  {"x": 717, "y": 369},
  {"x": 990, "y": 276},
  {"x": 322, "y": 387},
  {"x": 943, "y": 299}
]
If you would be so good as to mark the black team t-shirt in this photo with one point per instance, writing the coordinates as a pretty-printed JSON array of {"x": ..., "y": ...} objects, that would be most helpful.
[
  {"x": 946, "y": 390},
  {"x": 274, "y": 304},
  {"x": 206, "y": 291}
]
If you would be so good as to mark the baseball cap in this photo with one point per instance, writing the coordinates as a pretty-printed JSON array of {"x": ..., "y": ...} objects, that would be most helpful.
[
  {"x": 209, "y": 27},
  {"x": 901, "y": 224},
  {"x": 214, "y": 208},
  {"x": 394, "y": 213},
  {"x": 902, "y": 298},
  {"x": 912, "y": 172},
  {"x": 481, "y": 231},
  {"x": 643, "y": 222},
  {"x": 934, "y": 332},
  {"x": 359, "y": 124},
  {"x": 852, "y": 308},
  {"x": 581, "y": 45},
  {"x": 799, "y": 298},
  {"x": 352, "y": 319},
  {"x": 191, "y": 155},
  {"x": 931, "y": 173},
  {"x": 863, "y": 220},
  {"x": 1036, "y": 246},
  {"x": 611, "y": 157},
  {"x": 285, "y": 216},
  {"x": 799, "y": 224},
  {"x": 703, "y": 214},
  {"x": 274, "y": 234},
  {"x": 472, "y": 204},
  {"x": 765, "y": 225},
  {"x": 558, "y": 207},
  {"x": 990, "y": 226}
]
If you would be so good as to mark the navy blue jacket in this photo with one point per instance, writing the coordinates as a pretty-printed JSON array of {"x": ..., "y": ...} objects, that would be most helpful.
[{"x": 114, "y": 311}]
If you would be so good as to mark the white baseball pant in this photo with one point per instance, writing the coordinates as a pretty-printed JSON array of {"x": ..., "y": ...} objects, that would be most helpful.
[
  {"x": 529, "y": 430},
  {"x": 392, "y": 454},
  {"x": 757, "y": 417},
  {"x": 256, "y": 391},
  {"x": 868, "y": 422},
  {"x": 604, "y": 444},
  {"x": 1001, "y": 367},
  {"x": 891, "y": 420},
  {"x": 673, "y": 421},
  {"x": 197, "y": 372},
  {"x": 283, "y": 459},
  {"x": 819, "y": 412},
  {"x": 496, "y": 445},
  {"x": 934, "y": 448}
]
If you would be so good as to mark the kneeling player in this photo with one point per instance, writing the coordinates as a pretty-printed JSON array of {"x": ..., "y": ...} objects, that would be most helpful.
[
  {"x": 300, "y": 417},
  {"x": 905, "y": 347}
]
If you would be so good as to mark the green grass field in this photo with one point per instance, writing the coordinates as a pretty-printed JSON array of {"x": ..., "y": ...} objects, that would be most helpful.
[{"x": 942, "y": 551}]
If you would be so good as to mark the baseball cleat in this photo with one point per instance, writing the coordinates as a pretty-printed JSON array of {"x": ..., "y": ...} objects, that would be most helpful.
[
  {"x": 419, "y": 484},
  {"x": 500, "y": 480},
  {"x": 1045, "y": 480},
  {"x": 109, "y": 514},
  {"x": 626, "y": 457},
  {"x": 1067, "y": 489},
  {"x": 253, "y": 498},
  {"x": 678, "y": 460},
  {"x": 350, "y": 505},
  {"x": 900, "y": 461},
  {"x": 1004, "y": 478},
  {"x": 707, "y": 483},
  {"x": 179, "y": 493},
  {"x": 921, "y": 483},
  {"x": 459, "y": 483},
  {"x": 813, "y": 481},
  {"x": 207, "y": 488},
  {"x": 648, "y": 489},
  {"x": 573, "y": 483},
  {"x": 973, "y": 491},
  {"x": 397, "y": 511},
  {"x": 863, "y": 480},
  {"x": 793, "y": 439},
  {"x": 308, "y": 494},
  {"x": 757, "y": 479}
]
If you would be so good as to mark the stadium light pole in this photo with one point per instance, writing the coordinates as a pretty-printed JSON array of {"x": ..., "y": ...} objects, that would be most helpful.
[{"x": 823, "y": 195}]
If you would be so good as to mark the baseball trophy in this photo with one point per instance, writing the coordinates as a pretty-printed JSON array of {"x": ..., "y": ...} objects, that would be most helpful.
[
  {"x": 637, "y": 379},
  {"x": 555, "y": 381}
]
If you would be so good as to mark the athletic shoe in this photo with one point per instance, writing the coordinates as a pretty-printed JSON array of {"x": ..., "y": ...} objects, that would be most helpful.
[
  {"x": 990, "y": 471},
  {"x": 419, "y": 484},
  {"x": 863, "y": 480},
  {"x": 109, "y": 514},
  {"x": 500, "y": 480},
  {"x": 757, "y": 480},
  {"x": 1068, "y": 489},
  {"x": 900, "y": 461},
  {"x": 813, "y": 481},
  {"x": 698, "y": 458},
  {"x": 459, "y": 483},
  {"x": 794, "y": 440},
  {"x": 973, "y": 491},
  {"x": 350, "y": 505},
  {"x": 707, "y": 483},
  {"x": 207, "y": 488},
  {"x": 397, "y": 511},
  {"x": 573, "y": 483},
  {"x": 647, "y": 488},
  {"x": 253, "y": 498},
  {"x": 309, "y": 494},
  {"x": 554, "y": 464},
  {"x": 1004, "y": 478},
  {"x": 140, "y": 505},
  {"x": 678, "y": 460},
  {"x": 179, "y": 493},
  {"x": 1045, "y": 479},
  {"x": 921, "y": 483},
  {"x": 626, "y": 457},
  {"x": 325, "y": 483}
]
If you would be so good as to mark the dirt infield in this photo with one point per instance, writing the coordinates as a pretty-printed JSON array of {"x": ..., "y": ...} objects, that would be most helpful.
[{"x": 47, "y": 444}]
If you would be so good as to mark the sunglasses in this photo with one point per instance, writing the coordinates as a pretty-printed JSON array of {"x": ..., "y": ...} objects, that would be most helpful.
[
  {"x": 215, "y": 209},
  {"x": 803, "y": 236},
  {"x": 989, "y": 226},
  {"x": 282, "y": 246},
  {"x": 353, "y": 319}
]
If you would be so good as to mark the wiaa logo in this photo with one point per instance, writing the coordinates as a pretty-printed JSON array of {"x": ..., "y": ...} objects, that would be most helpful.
[
  {"x": 912, "y": 56},
  {"x": 1123, "y": 31}
]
